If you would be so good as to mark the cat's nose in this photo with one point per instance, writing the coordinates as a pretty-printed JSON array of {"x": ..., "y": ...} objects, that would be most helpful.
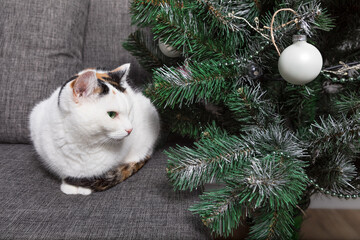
[{"x": 128, "y": 131}]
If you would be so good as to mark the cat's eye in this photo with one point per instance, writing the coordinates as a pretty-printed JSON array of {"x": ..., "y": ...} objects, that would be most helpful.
[{"x": 112, "y": 114}]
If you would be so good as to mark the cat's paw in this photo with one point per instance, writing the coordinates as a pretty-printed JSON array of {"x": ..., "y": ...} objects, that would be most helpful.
[
  {"x": 72, "y": 190},
  {"x": 68, "y": 189},
  {"x": 84, "y": 191}
]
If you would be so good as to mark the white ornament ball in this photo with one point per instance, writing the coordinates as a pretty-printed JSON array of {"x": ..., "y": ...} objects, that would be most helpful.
[
  {"x": 168, "y": 50},
  {"x": 301, "y": 62}
]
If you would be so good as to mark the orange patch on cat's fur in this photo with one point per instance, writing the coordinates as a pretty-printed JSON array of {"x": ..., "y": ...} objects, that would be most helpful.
[
  {"x": 113, "y": 92},
  {"x": 102, "y": 76},
  {"x": 73, "y": 83},
  {"x": 97, "y": 90}
]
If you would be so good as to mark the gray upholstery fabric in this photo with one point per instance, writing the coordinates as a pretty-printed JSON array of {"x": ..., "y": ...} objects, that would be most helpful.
[
  {"x": 41, "y": 44},
  {"x": 109, "y": 25},
  {"x": 142, "y": 207}
]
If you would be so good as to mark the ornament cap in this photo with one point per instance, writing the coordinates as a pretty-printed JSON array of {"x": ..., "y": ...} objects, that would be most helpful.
[{"x": 297, "y": 38}]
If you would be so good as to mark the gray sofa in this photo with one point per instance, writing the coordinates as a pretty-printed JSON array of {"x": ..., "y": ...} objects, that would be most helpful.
[{"x": 43, "y": 43}]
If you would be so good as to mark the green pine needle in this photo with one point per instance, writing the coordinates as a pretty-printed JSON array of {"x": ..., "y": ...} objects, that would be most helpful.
[
  {"x": 250, "y": 107},
  {"x": 335, "y": 134},
  {"x": 212, "y": 157},
  {"x": 188, "y": 84},
  {"x": 273, "y": 224}
]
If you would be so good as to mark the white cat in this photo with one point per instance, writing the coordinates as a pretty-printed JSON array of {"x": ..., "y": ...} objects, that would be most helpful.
[{"x": 95, "y": 130}]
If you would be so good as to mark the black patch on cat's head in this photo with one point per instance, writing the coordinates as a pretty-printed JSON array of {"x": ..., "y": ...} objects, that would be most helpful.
[
  {"x": 113, "y": 78},
  {"x": 118, "y": 87},
  {"x": 117, "y": 76},
  {"x": 112, "y": 83},
  {"x": 103, "y": 87},
  {"x": 115, "y": 81},
  {"x": 62, "y": 87}
]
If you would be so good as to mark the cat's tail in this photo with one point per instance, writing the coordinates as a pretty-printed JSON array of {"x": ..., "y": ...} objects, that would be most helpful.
[{"x": 109, "y": 179}]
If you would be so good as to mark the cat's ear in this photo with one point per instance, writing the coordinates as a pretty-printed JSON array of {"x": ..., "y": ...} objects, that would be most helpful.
[
  {"x": 85, "y": 84},
  {"x": 120, "y": 73}
]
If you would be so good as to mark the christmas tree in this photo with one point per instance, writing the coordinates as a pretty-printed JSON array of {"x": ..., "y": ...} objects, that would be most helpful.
[{"x": 271, "y": 143}]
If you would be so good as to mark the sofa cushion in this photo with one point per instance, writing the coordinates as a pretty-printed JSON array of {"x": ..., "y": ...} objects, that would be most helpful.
[
  {"x": 41, "y": 44},
  {"x": 142, "y": 207},
  {"x": 109, "y": 25}
]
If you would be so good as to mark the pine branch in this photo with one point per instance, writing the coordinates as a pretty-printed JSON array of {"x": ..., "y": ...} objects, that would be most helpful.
[
  {"x": 188, "y": 84},
  {"x": 250, "y": 107},
  {"x": 196, "y": 31},
  {"x": 145, "y": 12},
  {"x": 209, "y": 7},
  {"x": 211, "y": 157},
  {"x": 348, "y": 104},
  {"x": 335, "y": 172},
  {"x": 274, "y": 180},
  {"x": 314, "y": 17},
  {"x": 247, "y": 9},
  {"x": 272, "y": 224},
  {"x": 220, "y": 211},
  {"x": 330, "y": 135},
  {"x": 300, "y": 103},
  {"x": 146, "y": 51},
  {"x": 276, "y": 138},
  {"x": 261, "y": 169},
  {"x": 187, "y": 38}
]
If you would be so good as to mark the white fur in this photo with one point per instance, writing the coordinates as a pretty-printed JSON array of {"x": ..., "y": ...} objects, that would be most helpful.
[
  {"x": 79, "y": 139},
  {"x": 73, "y": 190}
]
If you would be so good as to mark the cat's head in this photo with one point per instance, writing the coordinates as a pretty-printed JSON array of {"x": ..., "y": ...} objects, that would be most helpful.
[{"x": 97, "y": 104}]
